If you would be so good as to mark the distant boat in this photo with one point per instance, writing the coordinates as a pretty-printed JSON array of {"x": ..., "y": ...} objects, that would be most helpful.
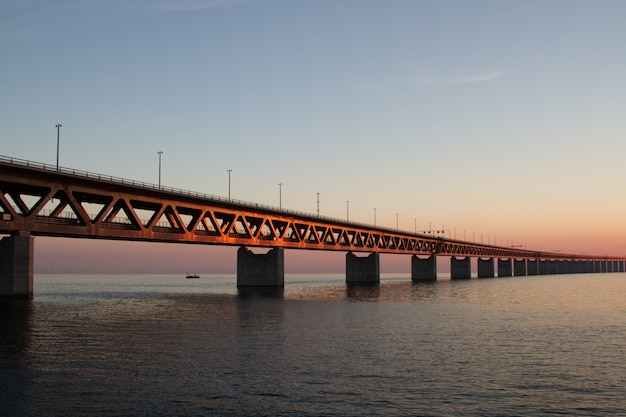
[{"x": 192, "y": 275}]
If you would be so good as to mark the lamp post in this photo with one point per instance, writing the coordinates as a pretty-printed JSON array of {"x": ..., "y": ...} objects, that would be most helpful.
[
  {"x": 318, "y": 204},
  {"x": 229, "y": 171},
  {"x": 280, "y": 195},
  {"x": 160, "y": 154},
  {"x": 58, "y": 126}
]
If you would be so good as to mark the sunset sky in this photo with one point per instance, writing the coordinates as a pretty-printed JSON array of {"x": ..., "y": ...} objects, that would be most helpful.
[{"x": 500, "y": 120}]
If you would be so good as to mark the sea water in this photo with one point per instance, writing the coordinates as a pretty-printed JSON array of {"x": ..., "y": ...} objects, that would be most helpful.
[{"x": 163, "y": 345}]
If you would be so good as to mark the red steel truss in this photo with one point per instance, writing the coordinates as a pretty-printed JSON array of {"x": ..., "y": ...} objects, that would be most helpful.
[{"x": 44, "y": 201}]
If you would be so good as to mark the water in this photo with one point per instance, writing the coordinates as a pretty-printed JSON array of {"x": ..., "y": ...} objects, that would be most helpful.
[{"x": 166, "y": 346}]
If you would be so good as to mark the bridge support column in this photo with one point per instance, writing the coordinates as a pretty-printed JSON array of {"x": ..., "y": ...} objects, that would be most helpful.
[
  {"x": 460, "y": 268},
  {"x": 260, "y": 270},
  {"x": 577, "y": 267},
  {"x": 532, "y": 266},
  {"x": 553, "y": 267},
  {"x": 423, "y": 269},
  {"x": 519, "y": 267},
  {"x": 17, "y": 266},
  {"x": 486, "y": 268},
  {"x": 505, "y": 267},
  {"x": 363, "y": 270}
]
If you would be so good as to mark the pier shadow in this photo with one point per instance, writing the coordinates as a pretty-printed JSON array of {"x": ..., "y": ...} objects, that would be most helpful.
[
  {"x": 363, "y": 292},
  {"x": 16, "y": 317},
  {"x": 261, "y": 292}
]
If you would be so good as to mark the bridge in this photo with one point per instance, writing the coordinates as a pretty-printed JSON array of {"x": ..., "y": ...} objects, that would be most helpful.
[{"x": 37, "y": 199}]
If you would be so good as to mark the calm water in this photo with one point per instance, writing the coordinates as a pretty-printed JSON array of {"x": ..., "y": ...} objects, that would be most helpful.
[{"x": 166, "y": 346}]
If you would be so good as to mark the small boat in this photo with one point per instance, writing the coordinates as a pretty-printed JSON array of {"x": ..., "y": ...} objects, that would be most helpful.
[{"x": 192, "y": 275}]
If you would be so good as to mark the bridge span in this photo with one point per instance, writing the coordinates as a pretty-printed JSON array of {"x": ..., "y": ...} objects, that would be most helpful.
[{"x": 44, "y": 200}]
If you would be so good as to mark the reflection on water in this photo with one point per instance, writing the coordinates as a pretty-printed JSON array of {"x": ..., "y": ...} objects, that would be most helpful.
[
  {"x": 15, "y": 325},
  {"x": 158, "y": 345}
]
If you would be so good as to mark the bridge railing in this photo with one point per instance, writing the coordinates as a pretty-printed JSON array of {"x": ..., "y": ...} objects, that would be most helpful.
[
  {"x": 71, "y": 217},
  {"x": 182, "y": 192}
]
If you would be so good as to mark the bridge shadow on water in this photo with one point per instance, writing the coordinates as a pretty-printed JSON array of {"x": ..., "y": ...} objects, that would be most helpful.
[
  {"x": 261, "y": 292},
  {"x": 363, "y": 292}
]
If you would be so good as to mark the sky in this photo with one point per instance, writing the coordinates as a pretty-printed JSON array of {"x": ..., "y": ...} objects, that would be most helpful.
[{"x": 499, "y": 121}]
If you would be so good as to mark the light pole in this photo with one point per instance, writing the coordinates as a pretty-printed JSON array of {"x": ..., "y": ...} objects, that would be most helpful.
[
  {"x": 318, "y": 204},
  {"x": 160, "y": 153},
  {"x": 58, "y": 126},
  {"x": 347, "y": 210},
  {"x": 229, "y": 171},
  {"x": 280, "y": 195}
]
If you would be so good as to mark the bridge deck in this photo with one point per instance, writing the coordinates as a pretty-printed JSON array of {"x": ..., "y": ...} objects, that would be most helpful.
[{"x": 45, "y": 201}]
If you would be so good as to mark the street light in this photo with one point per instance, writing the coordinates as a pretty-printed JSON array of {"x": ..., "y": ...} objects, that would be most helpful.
[
  {"x": 58, "y": 126},
  {"x": 229, "y": 171},
  {"x": 280, "y": 195},
  {"x": 318, "y": 204},
  {"x": 160, "y": 153}
]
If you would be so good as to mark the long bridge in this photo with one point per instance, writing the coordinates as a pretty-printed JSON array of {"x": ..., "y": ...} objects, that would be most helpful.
[{"x": 38, "y": 199}]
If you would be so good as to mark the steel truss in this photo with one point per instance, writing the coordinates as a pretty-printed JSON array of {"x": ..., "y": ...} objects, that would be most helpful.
[{"x": 67, "y": 203}]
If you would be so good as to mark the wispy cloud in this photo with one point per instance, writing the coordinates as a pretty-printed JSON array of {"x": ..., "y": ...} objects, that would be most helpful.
[
  {"x": 513, "y": 11},
  {"x": 428, "y": 80},
  {"x": 191, "y": 5}
]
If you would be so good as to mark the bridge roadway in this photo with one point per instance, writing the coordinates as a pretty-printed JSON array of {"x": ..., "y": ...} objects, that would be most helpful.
[{"x": 40, "y": 200}]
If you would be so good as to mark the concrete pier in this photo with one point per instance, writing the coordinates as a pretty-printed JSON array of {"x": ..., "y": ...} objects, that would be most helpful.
[
  {"x": 363, "y": 269},
  {"x": 17, "y": 266},
  {"x": 260, "y": 270},
  {"x": 460, "y": 268},
  {"x": 423, "y": 269},
  {"x": 519, "y": 267},
  {"x": 505, "y": 267},
  {"x": 553, "y": 267},
  {"x": 486, "y": 268}
]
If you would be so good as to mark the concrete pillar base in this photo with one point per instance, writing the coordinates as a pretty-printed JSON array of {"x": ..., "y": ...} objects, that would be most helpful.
[
  {"x": 519, "y": 267},
  {"x": 505, "y": 267},
  {"x": 460, "y": 268},
  {"x": 17, "y": 266},
  {"x": 423, "y": 269},
  {"x": 486, "y": 268},
  {"x": 363, "y": 270},
  {"x": 260, "y": 270}
]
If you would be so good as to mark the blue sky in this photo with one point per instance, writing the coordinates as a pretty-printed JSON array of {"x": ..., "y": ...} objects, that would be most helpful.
[{"x": 502, "y": 119}]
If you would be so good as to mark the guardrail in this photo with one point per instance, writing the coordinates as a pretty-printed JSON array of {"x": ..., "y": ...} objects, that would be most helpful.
[
  {"x": 186, "y": 193},
  {"x": 5, "y": 160}
]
